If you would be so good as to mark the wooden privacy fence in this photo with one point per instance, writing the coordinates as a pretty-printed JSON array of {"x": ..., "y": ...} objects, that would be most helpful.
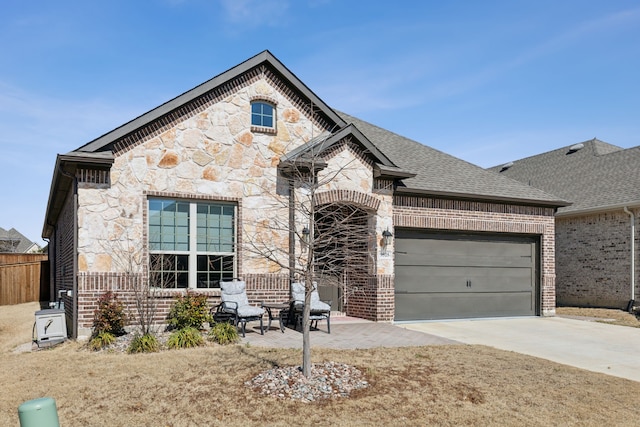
[{"x": 23, "y": 278}]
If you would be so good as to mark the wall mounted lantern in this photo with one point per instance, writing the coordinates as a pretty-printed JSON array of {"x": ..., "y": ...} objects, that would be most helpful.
[
  {"x": 386, "y": 241},
  {"x": 304, "y": 238}
]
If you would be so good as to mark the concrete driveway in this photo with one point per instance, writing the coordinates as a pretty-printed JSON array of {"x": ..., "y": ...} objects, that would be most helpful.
[{"x": 598, "y": 347}]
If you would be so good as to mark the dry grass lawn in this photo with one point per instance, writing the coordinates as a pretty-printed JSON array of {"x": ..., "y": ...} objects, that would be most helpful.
[
  {"x": 604, "y": 315},
  {"x": 439, "y": 385}
]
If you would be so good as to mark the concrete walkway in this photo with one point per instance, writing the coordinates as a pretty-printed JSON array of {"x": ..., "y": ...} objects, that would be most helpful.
[
  {"x": 598, "y": 347},
  {"x": 346, "y": 333}
]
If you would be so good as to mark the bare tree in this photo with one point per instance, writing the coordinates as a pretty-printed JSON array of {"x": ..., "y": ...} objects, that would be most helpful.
[
  {"x": 330, "y": 243},
  {"x": 143, "y": 280}
]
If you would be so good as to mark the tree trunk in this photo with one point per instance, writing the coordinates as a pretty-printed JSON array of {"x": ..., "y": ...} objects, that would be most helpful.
[{"x": 306, "y": 326}]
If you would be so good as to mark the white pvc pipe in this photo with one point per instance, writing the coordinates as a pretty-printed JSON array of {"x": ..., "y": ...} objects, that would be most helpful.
[{"x": 633, "y": 253}]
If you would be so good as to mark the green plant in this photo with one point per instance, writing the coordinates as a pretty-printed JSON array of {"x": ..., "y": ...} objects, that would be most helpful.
[
  {"x": 224, "y": 333},
  {"x": 147, "y": 343},
  {"x": 190, "y": 310},
  {"x": 185, "y": 338},
  {"x": 109, "y": 316},
  {"x": 101, "y": 340}
]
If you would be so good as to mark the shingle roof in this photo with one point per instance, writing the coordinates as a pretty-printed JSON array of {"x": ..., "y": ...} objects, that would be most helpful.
[
  {"x": 13, "y": 236},
  {"x": 439, "y": 173},
  {"x": 597, "y": 176},
  {"x": 422, "y": 169}
]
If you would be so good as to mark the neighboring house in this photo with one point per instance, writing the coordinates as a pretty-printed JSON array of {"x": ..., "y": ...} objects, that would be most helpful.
[
  {"x": 466, "y": 242},
  {"x": 594, "y": 235},
  {"x": 12, "y": 241}
]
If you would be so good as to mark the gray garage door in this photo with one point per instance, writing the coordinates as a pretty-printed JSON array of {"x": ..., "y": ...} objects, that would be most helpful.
[{"x": 448, "y": 276}]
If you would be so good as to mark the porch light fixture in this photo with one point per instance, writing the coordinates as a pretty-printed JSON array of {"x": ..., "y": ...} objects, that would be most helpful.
[
  {"x": 304, "y": 238},
  {"x": 386, "y": 241}
]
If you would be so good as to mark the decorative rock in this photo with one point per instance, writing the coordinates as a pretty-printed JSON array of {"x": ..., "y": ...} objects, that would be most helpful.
[{"x": 327, "y": 381}]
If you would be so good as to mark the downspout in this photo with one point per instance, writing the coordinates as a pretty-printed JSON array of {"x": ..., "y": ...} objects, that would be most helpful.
[
  {"x": 292, "y": 235},
  {"x": 633, "y": 261},
  {"x": 52, "y": 283}
]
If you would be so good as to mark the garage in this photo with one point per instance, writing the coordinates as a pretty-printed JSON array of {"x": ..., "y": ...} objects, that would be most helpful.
[{"x": 449, "y": 275}]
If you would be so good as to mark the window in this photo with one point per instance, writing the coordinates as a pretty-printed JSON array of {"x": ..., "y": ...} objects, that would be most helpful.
[
  {"x": 191, "y": 245},
  {"x": 262, "y": 114}
]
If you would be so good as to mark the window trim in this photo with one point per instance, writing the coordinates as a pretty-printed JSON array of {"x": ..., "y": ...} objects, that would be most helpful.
[
  {"x": 274, "y": 118},
  {"x": 193, "y": 252}
]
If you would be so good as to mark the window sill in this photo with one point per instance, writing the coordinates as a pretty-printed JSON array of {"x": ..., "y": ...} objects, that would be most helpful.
[
  {"x": 172, "y": 293},
  {"x": 262, "y": 129}
]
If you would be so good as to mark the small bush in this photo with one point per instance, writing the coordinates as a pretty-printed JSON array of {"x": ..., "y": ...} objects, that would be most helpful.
[
  {"x": 109, "y": 316},
  {"x": 101, "y": 340},
  {"x": 185, "y": 338},
  {"x": 147, "y": 343},
  {"x": 224, "y": 333},
  {"x": 189, "y": 311}
]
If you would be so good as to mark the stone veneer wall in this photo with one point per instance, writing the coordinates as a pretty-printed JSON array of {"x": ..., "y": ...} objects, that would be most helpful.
[
  {"x": 459, "y": 215},
  {"x": 593, "y": 256},
  {"x": 209, "y": 153}
]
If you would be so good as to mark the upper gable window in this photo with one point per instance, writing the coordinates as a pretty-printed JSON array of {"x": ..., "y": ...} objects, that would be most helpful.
[{"x": 263, "y": 115}]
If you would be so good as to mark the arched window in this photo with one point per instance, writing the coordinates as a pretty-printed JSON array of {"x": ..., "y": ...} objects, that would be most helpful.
[{"x": 263, "y": 114}]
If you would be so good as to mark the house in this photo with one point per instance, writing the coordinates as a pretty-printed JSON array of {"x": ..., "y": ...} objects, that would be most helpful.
[
  {"x": 596, "y": 239},
  {"x": 205, "y": 166},
  {"x": 12, "y": 241}
]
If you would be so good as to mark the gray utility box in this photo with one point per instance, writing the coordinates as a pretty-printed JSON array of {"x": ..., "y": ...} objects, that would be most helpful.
[{"x": 51, "y": 327}]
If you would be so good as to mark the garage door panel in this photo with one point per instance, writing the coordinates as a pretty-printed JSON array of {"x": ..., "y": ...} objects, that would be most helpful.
[
  {"x": 443, "y": 245},
  {"x": 439, "y": 306},
  {"x": 438, "y": 259},
  {"x": 444, "y": 275},
  {"x": 462, "y": 279}
]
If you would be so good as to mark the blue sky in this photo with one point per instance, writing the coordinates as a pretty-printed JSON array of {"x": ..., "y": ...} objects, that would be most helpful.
[{"x": 486, "y": 81}]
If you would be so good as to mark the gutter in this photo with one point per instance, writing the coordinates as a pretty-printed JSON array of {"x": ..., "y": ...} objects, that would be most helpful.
[
  {"x": 632, "y": 218},
  {"x": 598, "y": 209}
]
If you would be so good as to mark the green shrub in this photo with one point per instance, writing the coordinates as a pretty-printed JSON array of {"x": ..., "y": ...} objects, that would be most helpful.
[
  {"x": 185, "y": 338},
  {"x": 224, "y": 333},
  {"x": 101, "y": 340},
  {"x": 147, "y": 343},
  {"x": 189, "y": 311},
  {"x": 109, "y": 316}
]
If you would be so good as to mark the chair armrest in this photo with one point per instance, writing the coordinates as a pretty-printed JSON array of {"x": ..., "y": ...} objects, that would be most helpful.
[{"x": 228, "y": 305}]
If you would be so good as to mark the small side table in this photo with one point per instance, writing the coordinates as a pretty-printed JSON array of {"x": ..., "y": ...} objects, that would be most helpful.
[{"x": 282, "y": 306}]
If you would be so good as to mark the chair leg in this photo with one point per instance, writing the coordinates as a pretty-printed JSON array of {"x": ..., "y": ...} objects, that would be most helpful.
[
  {"x": 244, "y": 324},
  {"x": 261, "y": 328},
  {"x": 329, "y": 324}
]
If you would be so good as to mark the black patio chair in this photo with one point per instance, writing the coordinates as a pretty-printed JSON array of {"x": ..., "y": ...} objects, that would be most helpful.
[
  {"x": 235, "y": 306},
  {"x": 320, "y": 310}
]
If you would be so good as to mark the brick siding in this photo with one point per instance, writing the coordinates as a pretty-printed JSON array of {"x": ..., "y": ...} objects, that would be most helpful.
[
  {"x": 460, "y": 215},
  {"x": 260, "y": 288},
  {"x": 594, "y": 260}
]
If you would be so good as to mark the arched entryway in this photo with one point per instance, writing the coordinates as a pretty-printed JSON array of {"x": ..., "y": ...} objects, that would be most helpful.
[{"x": 344, "y": 252}]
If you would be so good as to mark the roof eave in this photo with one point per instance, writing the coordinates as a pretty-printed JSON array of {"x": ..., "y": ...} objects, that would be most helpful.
[
  {"x": 599, "y": 209},
  {"x": 62, "y": 181},
  {"x": 482, "y": 197},
  {"x": 383, "y": 171}
]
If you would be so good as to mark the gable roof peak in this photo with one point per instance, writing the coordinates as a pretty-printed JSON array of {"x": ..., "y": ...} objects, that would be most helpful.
[{"x": 202, "y": 94}]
